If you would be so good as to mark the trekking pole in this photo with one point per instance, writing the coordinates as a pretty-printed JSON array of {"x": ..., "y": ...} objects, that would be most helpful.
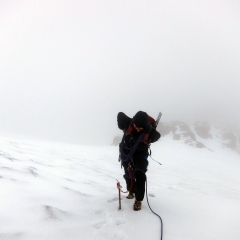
[{"x": 119, "y": 193}]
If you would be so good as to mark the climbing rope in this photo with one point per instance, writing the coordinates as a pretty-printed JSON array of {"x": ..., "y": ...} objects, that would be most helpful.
[
  {"x": 161, "y": 235},
  {"x": 131, "y": 176},
  {"x": 126, "y": 157}
]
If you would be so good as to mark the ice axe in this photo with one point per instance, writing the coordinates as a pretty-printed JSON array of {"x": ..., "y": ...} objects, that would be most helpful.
[{"x": 158, "y": 119}]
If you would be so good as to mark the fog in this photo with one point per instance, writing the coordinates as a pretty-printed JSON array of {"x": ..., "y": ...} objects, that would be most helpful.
[{"x": 68, "y": 67}]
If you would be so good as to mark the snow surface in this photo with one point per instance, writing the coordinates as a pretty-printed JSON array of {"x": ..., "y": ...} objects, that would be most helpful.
[{"x": 51, "y": 191}]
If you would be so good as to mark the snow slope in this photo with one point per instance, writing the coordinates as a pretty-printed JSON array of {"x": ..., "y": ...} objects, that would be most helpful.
[{"x": 58, "y": 191}]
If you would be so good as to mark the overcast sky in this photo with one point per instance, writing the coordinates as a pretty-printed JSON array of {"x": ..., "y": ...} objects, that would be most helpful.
[{"x": 68, "y": 67}]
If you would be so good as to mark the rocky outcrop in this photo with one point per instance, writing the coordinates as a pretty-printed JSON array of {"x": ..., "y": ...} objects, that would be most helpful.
[
  {"x": 230, "y": 139},
  {"x": 202, "y": 129},
  {"x": 197, "y": 135},
  {"x": 180, "y": 131}
]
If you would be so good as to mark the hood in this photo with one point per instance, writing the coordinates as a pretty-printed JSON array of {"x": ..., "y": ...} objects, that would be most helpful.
[{"x": 141, "y": 119}]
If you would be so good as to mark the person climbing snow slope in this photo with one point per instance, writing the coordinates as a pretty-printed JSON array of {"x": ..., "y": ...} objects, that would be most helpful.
[{"x": 139, "y": 133}]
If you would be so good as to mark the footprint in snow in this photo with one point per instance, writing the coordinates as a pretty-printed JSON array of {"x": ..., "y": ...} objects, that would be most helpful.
[
  {"x": 120, "y": 221},
  {"x": 101, "y": 223},
  {"x": 151, "y": 195},
  {"x": 99, "y": 212}
]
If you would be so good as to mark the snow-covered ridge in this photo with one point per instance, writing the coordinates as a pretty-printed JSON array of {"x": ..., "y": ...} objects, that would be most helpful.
[{"x": 199, "y": 135}]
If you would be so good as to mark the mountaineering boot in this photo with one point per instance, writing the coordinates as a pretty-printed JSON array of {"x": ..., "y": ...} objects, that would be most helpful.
[
  {"x": 137, "y": 205},
  {"x": 130, "y": 195}
]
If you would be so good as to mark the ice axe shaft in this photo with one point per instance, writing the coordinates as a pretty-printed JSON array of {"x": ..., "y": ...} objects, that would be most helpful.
[
  {"x": 119, "y": 193},
  {"x": 158, "y": 119}
]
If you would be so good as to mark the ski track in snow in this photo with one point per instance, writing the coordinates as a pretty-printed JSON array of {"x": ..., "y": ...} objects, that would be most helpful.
[{"x": 61, "y": 191}]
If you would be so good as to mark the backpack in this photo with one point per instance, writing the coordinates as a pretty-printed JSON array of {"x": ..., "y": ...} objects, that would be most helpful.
[{"x": 151, "y": 124}]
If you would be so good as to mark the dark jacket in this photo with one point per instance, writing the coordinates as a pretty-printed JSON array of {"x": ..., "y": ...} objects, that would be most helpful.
[{"x": 124, "y": 122}]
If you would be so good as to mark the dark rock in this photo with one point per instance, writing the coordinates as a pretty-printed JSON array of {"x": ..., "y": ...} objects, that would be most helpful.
[
  {"x": 203, "y": 129},
  {"x": 194, "y": 143},
  {"x": 230, "y": 140}
]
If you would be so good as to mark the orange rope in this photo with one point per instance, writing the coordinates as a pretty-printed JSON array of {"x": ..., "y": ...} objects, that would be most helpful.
[{"x": 131, "y": 176}]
